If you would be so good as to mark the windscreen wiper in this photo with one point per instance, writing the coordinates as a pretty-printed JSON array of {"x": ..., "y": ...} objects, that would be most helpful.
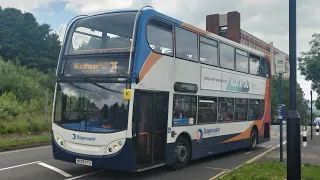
[
  {"x": 102, "y": 87},
  {"x": 76, "y": 86},
  {"x": 88, "y": 81}
]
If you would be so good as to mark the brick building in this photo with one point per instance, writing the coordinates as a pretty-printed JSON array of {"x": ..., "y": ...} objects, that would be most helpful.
[{"x": 229, "y": 26}]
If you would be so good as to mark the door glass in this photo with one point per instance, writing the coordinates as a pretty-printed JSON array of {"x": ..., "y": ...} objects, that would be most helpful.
[
  {"x": 150, "y": 122},
  {"x": 143, "y": 116},
  {"x": 160, "y": 121}
]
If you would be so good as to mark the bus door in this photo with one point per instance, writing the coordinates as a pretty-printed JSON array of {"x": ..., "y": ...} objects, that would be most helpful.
[{"x": 150, "y": 117}]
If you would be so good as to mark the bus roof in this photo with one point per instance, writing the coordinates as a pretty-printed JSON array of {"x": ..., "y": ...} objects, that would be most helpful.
[{"x": 185, "y": 25}]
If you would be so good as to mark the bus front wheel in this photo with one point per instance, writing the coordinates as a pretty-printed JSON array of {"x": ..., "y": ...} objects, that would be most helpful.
[{"x": 181, "y": 153}]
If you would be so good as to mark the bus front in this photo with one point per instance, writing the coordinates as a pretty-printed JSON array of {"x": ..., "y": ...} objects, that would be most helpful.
[{"x": 90, "y": 119}]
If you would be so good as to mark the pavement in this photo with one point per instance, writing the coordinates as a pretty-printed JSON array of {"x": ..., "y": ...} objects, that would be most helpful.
[
  {"x": 38, "y": 163},
  {"x": 309, "y": 154}
]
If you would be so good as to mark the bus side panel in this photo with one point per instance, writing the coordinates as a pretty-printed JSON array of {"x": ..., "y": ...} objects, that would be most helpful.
[{"x": 115, "y": 162}]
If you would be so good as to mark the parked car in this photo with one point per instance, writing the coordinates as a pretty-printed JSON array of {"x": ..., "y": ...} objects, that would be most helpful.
[{"x": 316, "y": 121}]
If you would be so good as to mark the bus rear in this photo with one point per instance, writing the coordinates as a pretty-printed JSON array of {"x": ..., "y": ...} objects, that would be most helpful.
[{"x": 90, "y": 120}]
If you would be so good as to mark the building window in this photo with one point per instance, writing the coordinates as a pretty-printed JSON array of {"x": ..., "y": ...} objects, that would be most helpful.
[
  {"x": 242, "y": 61},
  {"x": 225, "y": 109},
  {"x": 254, "y": 109},
  {"x": 254, "y": 64},
  {"x": 184, "y": 110},
  {"x": 241, "y": 110},
  {"x": 226, "y": 56},
  {"x": 264, "y": 68},
  {"x": 186, "y": 44},
  {"x": 208, "y": 51},
  {"x": 207, "y": 110},
  {"x": 159, "y": 35}
]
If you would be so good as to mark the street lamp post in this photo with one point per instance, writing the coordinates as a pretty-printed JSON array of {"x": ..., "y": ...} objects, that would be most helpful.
[
  {"x": 311, "y": 124},
  {"x": 293, "y": 118}
]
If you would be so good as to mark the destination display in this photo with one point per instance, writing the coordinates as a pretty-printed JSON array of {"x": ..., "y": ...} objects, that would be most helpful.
[{"x": 104, "y": 67}]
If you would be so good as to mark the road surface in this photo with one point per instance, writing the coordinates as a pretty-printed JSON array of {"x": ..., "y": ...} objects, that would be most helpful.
[{"x": 38, "y": 163}]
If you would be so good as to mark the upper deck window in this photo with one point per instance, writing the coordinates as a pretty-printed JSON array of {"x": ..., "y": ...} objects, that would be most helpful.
[
  {"x": 226, "y": 56},
  {"x": 264, "y": 68},
  {"x": 101, "y": 34},
  {"x": 242, "y": 61},
  {"x": 160, "y": 37},
  {"x": 254, "y": 64},
  {"x": 208, "y": 51},
  {"x": 186, "y": 44}
]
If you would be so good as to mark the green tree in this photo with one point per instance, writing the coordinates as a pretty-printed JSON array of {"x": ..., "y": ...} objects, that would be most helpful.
[
  {"x": 24, "y": 40},
  {"x": 302, "y": 104},
  {"x": 309, "y": 65}
]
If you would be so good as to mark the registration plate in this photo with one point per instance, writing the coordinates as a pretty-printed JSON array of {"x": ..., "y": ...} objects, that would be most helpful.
[{"x": 84, "y": 162}]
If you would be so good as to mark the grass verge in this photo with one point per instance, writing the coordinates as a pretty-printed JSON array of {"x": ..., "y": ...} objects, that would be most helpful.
[
  {"x": 36, "y": 124},
  {"x": 270, "y": 170},
  {"x": 25, "y": 142}
]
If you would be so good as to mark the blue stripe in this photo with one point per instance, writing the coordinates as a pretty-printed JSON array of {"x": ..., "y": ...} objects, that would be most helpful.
[
  {"x": 209, "y": 146},
  {"x": 142, "y": 49}
]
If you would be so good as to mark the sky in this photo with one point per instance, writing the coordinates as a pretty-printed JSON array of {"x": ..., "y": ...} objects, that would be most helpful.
[{"x": 266, "y": 19}]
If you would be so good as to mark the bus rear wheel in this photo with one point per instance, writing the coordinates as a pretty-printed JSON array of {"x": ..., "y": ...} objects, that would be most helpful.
[
  {"x": 253, "y": 139},
  {"x": 181, "y": 153}
]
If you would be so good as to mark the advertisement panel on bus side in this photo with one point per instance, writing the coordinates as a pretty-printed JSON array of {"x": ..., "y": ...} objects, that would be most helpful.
[{"x": 212, "y": 79}]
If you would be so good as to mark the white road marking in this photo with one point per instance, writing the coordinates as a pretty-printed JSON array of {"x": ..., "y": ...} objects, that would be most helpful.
[
  {"x": 77, "y": 177},
  {"x": 55, "y": 169},
  {"x": 248, "y": 152},
  {"x": 221, "y": 169},
  {"x": 27, "y": 149},
  {"x": 19, "y": 165}
]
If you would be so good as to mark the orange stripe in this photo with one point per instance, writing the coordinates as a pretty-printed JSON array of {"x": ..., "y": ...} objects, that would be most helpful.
[
  {"x": 150, "y": 61},
  {"x": 246, "y": 133},
  {"x": 201, "y": 31}
]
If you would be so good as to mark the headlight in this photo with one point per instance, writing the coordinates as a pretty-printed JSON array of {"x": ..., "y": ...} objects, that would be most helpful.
[
  {"x": 59, "y": 140},
  {"x": 114, "y": 146}
]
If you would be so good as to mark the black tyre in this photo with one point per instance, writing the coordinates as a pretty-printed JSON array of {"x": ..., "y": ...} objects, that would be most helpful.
[
  {"x": 253, "y": 139},
  {"x": 182, "y": 153}
]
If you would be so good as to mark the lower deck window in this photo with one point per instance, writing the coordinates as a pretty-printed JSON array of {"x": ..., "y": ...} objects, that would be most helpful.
[
  {"x": 225, "y": 109},
  {"x": 207, "y": 111},
  {"x": 254, "y": 105},
  {"x": 241, "y": 110},
  {"x": 184, "y": 110}
]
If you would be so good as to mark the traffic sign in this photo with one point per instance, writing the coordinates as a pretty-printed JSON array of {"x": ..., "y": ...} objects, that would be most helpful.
[
  {"x": 280, "y": 60},
  {"x": 281, "y": 112}
]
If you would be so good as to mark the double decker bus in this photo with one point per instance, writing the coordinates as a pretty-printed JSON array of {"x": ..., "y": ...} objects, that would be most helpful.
[{"x": 137, "y": 89}]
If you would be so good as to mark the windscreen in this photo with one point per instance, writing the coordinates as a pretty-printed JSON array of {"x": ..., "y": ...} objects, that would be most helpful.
[
  {"x": 101, "y": 34},
  {"x": 91, "y": 107}
]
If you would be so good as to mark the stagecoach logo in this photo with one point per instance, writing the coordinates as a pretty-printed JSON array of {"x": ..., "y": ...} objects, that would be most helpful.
[
  {"x": 83, "y": 138},
  {"x": 211, "y": 131},
  {"x": 199, "y": 135}
]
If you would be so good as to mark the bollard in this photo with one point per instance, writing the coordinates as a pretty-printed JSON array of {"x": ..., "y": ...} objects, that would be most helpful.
[
  {"x": 304, "y": 138},
  {"x": 317, "y": 129}
]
